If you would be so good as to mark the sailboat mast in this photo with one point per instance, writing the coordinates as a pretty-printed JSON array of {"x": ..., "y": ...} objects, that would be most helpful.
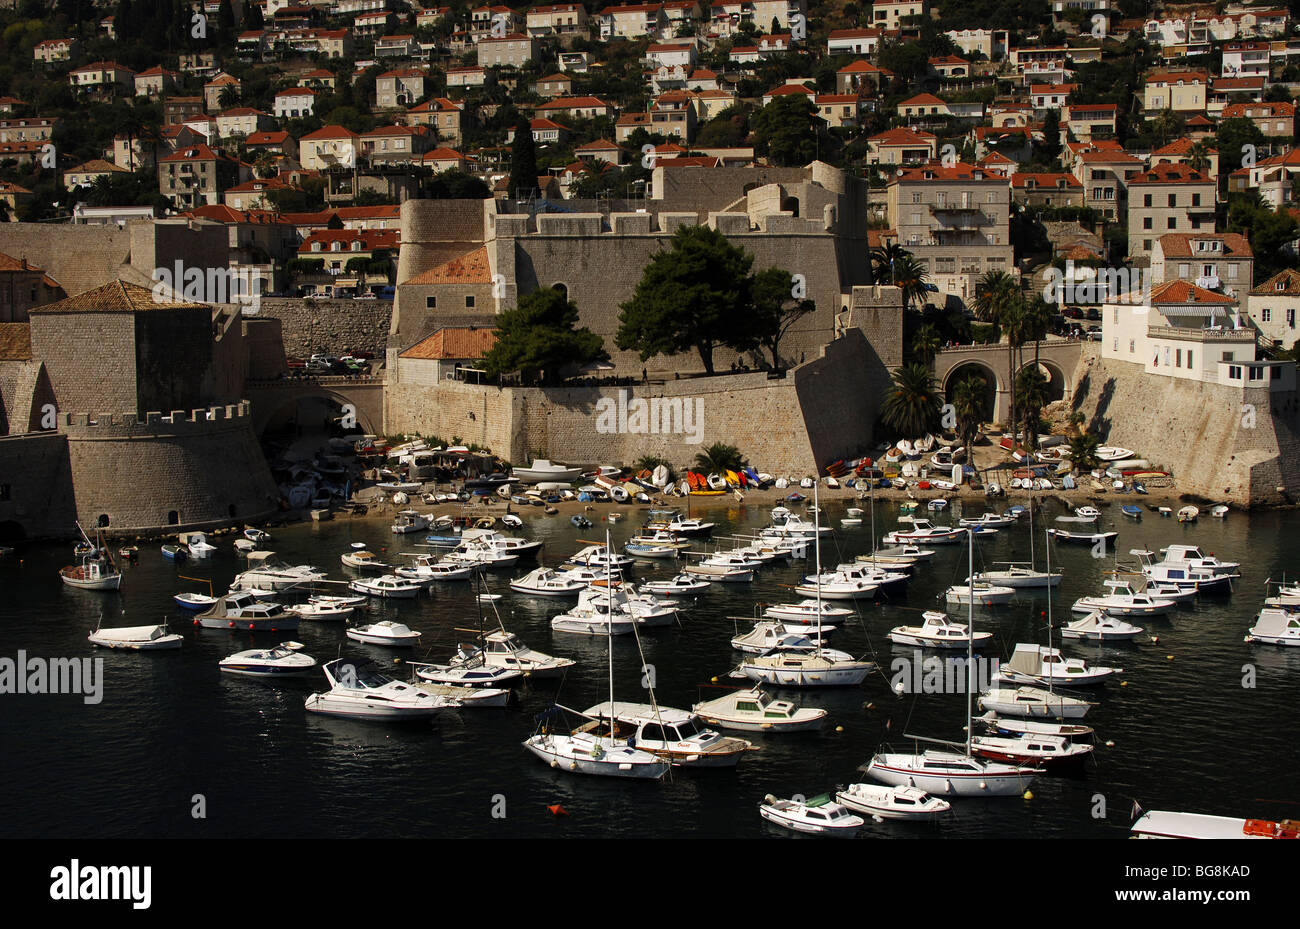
[
  {"x": 817, "y": 548},
  {"x": 609, "y": 589},
  {"x": 970, "y": 632},
  {"x": 1047, "y": 544}
]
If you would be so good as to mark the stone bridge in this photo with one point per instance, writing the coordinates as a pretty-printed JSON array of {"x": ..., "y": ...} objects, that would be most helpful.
[
  {"x": 1057, "y": 357},
  {"x": 362, "y": 396}
]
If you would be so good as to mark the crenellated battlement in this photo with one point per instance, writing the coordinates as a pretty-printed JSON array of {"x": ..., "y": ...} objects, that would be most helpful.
[{"x": 152, "y": 423}]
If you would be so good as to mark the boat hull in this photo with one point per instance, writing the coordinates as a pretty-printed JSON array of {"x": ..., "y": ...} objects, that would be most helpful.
[{"x": 898, "y": 770}]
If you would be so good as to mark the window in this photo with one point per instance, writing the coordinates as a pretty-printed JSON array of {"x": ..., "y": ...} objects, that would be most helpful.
[
  {"x": 1227, "y": 356},
  {"x": 1196, "y": 200},
  {"x": 1166, "y": 356},
  {"x": 1231, "y": 272},
  {"x": 1256, "y": 374},
  {"x": 1189, "y": 358},
  {"x": 1266, "y": 315},
  {"x": 1146, "y": 223},
  {"x": 1178, "y": 358},
  {"x": 430, "y": 303},
  {"x": 1290, "y": 318},
  {"x": 1146, "y": 200},
  {"x": 1182, "y": 270},
  {"x": 1172, "y": 222},
  {"x": 1277, "y": 372},
  {"x": 469, "y": 301},
  {"x": 1132, "y": 346},
  {"x": 173, "y": 518}
]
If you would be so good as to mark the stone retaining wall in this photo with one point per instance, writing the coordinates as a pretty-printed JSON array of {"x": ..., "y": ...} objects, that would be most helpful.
[{"x": 310, "y": 325}]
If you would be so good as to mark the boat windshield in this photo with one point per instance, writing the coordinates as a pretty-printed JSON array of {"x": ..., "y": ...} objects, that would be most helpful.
[{"x": 360, "y": 676}]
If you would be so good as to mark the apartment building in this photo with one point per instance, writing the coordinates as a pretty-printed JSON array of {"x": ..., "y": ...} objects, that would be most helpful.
[{"x": 1168, "y": 198}]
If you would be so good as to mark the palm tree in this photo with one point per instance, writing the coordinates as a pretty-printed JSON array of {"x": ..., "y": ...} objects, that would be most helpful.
[
  {"x": 882, "y": 262},
  {"x": 1031, "y": 389},
  {"x": 970, "y": 403},
  {"x": 925, "y": 343},
  {"x": 719, "y": 457},
  {"x": 1013, "y": 325},
  {"x": 992, "y": 293},
  {"x": 229, "y": 96},
  {"x": 1198, "y": 156},
  {"x": 1083, "y": 451},
  {"x": 912, "y": 407},
  {"x": 911, "y": 279}
]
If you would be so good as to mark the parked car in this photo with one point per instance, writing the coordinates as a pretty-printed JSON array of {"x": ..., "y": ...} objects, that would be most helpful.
[
  {"x": 1094, "y": 333},
  {"x": 1094, "y": 313}
]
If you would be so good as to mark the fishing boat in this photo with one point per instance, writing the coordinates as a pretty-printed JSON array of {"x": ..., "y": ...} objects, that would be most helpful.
[
  {"x": 756, "y": 710},
  {"x": 283, "y": 660},
  {"x": 1275, "y": 626},
  {"x": 385, "y": 632},
  {"x": 243, "y": 610},
  {"x": 96, "y": 570},
  {"x": 938, "y": 631},
  {"x": 678, "y": 736},
  {"x": 1038, "y": 664},
  {"x": 1161, "y": 824},
  {"x": 358, "y": 690},
  {"x": 136, "y": 638},
  {"x": 949, "y": 773},
  {"x": 900, "y": 803},
  {"x": 386, "y": 586},
  {"x": 544, "y": 582},
  {"x": 818, "y": 816},
  {"x": 409, "y": 521},
  {"x": 1099, "y": 626}
]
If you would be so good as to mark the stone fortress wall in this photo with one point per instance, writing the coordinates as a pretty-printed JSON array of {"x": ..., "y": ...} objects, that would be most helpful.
[{"x": 1221, "y": 442}]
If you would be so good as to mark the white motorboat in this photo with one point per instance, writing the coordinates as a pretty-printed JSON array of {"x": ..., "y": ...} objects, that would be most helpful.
[
  {"x": 542, "y": 470},
  {"x": 283, "y": 660},
  {"x": 408, "y": 521},
  {"x": 385, "y": 632},
  {"x": 1033, "y": 702},
  {"x": 321, "y": 612},
  {"x": 769, "y": 634},
  {"x": 509, "y": 544},
  {"x": 1100, "y": 626},
  {"x": 193, "y": 602},
  {"x": 503, "y": 649},
  {"x": 477, "y": 553},
  {"x": 938, "y": 631},
  {"x": 1084, "y": 538},
  {"x": 755, "y": 710},
  {"x": 1161, "y": 824},
  {"x": 714, "y": 572},
  {"x": 788, "y": 524},
  {"x": 808, "y": 612},
  {"x": 426, "y": 569},
  {"x": 386, "y": 586},
  {"x": 468, "y": 669},
  {"x": 982, "y": 594},
  {"x": 839, "y": 585},
  {"x": 1113, "y": 453},
  {"x": 243, "y": 609},
  {"x": 1123, "y": 600},
  {"x": 904, "y": 803},
  {"x": 1187, "y": 576},
  {"x": 1275, "y": 626},
  {"x": 680, "y": 584},
  {"x": 646, "y": 608},
  {"x": 1038, "y": 664},
  {"x": 898, "y": 557},
  {"x": 677, "y": 524},
  {"x": 359, "y": 690},
  {"x": 818, "y": 816},
  {"x": 852, "y": 518},
  {"x": 598, "y": 557},
  {"x": 1018, "y": 576},
  {"x": 677, "y": 736},
  {"x": 257, "y": 536},
  {"x": 137, "y": 638},
  {"x": 467, "y": 697},
  {"x": 544, "y": 582},
  {"x": 1192, "y": 556},
  {"x": 198, "y": 545},
  {"x": 987, "y": 521},
  {"x": 656, "y": 552},
  {"x": 326, "y": 600},
  {"x": 1021, "y": 726},
  {"x": 925, "y": 532},
  {"x": 584, "y": 619},
  {"x": 277, "y": 577},
  {"x": 1044, "y": 751}
]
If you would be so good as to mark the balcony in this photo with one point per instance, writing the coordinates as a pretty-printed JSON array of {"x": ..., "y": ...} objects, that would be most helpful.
[{"x": 1188, "y": 334}]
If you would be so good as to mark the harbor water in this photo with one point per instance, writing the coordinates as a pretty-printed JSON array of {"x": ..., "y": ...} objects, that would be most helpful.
[{"x": 175, "y": 748}]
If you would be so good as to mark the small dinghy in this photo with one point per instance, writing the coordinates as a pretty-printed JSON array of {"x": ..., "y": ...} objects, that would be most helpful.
[
  {"x": 385, "y": 632},
  {"x": 681, "y": 584},
  {"x": 194, "y": 602},
  {"x": 580, "y": 522},
  {"x": 1099, "y": 626},
  {"x": 284, "y": 660},
  {"x": 1132, "y": 511},
  {"x": 1188, "y": 514},
  {"x": 1219, "y": 512},
  {"x": 818, "y": 816},
  {"x": 257, "y": 536},
  {"x": 177, "y": 553},
  {"x": 881, "y": 802},
  {"x": 138, "y": 638}
]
